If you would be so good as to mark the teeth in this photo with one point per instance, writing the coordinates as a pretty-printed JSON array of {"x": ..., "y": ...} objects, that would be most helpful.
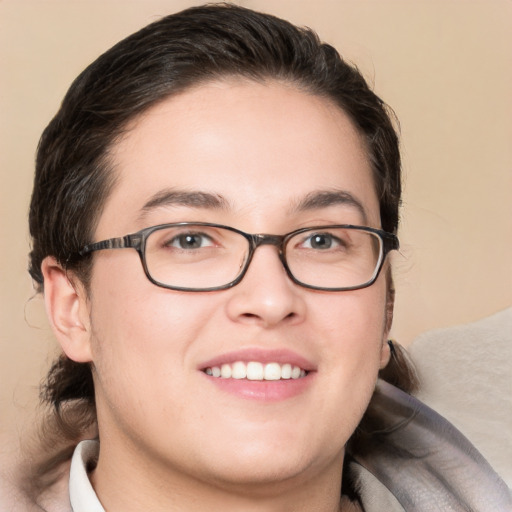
[
  {"x": 295, "y": 372},
  {"x": 239, "y": 370},
  {"x": 225, "y": 371},
  {"x": 272, "y": 371},
  {"x": 286, "y": 371},
  {"x": 255, "y": 370}
]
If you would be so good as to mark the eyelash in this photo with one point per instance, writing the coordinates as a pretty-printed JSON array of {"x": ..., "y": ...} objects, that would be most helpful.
[{"x": 180, "y": 237}]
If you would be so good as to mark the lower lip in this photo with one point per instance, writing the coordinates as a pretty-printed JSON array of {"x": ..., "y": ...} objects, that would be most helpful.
[{"x": 263, "y": 390}]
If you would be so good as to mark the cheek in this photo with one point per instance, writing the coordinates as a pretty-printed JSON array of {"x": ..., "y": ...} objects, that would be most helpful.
[
  {"x": 147, "y": 329},
  {"x": 353, "y": 321},
  {"x": 143, "y": 366},
  {"x": 352, "y": 330},
  {"x": 348, "y": 329},
  {"x": 141, "y": 334},
  {"x": 130, "y": 310}
]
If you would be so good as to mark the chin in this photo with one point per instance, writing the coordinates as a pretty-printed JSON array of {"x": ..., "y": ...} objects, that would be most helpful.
[
  {"x": 261, "y": 472},
  {"x": 263, "y": 462}
]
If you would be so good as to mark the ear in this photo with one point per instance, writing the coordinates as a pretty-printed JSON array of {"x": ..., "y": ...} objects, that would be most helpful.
[
  {"x": 68, "y": 310},
  {"x": 385, "y": 354}
]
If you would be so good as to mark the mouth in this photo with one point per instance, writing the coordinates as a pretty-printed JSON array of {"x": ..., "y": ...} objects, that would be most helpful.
[
  {"x": 256, "y": 371},
  {"x": 260, "y": 374}
]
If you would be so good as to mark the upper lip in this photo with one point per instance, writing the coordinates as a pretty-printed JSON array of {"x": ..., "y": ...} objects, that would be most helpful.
[{"x": 281, "y": 356}]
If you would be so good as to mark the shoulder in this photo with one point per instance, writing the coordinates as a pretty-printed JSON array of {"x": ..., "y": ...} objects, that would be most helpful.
[{"x": 422, "y": 460}]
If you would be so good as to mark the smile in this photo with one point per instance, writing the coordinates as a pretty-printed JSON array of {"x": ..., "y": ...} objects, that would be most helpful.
[{"x": 255, "y": 370}]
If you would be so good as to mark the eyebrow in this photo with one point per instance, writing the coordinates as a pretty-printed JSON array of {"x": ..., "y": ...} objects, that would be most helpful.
[
  {"x": 191, "y": 199},
  {"x": 326, "y": 198},
  {"x": 205, "y": 200}
]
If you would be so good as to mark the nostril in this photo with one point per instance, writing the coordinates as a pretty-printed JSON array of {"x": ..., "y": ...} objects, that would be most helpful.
[{"x": 249, "y": 315}]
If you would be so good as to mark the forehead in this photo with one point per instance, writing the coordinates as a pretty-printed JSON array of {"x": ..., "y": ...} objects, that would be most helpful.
[{"x": 260, "y": 147}]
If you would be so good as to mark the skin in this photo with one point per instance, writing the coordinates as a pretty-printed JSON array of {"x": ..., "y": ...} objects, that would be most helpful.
[{"x": 170, "y": 438}]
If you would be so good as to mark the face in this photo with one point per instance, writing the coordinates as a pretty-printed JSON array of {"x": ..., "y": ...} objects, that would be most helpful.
[{"x": 260, "y": 150}]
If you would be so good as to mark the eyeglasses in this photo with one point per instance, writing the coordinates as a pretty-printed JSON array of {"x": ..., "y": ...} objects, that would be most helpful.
[{"x": 199, "y": 256}]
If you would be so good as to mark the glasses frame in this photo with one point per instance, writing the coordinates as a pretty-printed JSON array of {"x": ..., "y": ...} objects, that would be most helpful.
[{"x": 137, "y": 241}]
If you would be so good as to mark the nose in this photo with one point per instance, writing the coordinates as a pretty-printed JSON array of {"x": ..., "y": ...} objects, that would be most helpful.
[{"x": 266, "y": 296}]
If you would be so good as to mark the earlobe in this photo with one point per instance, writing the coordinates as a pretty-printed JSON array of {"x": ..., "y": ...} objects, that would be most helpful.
[
  {"x": 390, "y": 306},
  {"x": 67, "y": 310},
  {"x": 385, "y": 354}
]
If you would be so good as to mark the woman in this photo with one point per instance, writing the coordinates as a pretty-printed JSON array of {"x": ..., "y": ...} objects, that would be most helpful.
[{"x": 228, "y": 354}]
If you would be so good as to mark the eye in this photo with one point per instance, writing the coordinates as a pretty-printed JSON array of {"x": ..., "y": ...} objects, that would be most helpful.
[
  {"x": 321, "y": 241},
  {"x": 190, "y": 241}
]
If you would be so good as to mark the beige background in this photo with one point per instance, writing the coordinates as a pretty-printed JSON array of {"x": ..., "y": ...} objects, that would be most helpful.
[{"x": 444, "y": 66}]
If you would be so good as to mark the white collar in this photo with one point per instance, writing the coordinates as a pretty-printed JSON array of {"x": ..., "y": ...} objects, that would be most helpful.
[{"x": 81, "y": 494}]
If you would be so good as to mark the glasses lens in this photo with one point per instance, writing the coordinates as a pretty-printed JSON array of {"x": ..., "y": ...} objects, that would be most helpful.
[
  {"x": 195, "y": 256},
  {"x": 334, "y": 257}
]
